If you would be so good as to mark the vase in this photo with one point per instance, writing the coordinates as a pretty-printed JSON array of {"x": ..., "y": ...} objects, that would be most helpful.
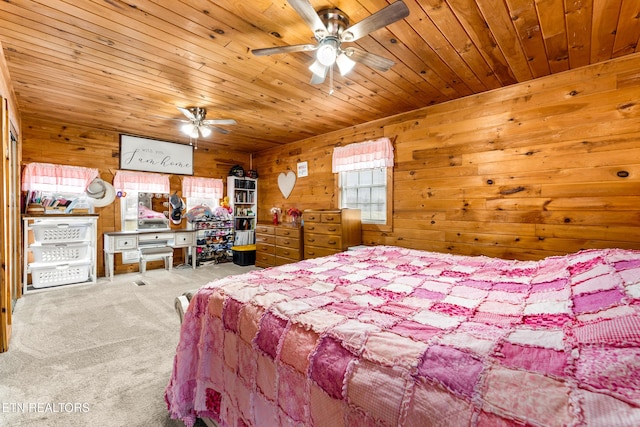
[
  {"x": 294, "y": 221},
  {"x": 275, "y": 219}
]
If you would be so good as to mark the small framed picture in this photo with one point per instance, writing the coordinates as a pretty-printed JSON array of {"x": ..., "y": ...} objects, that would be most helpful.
[{"x": 303, "y": 169}]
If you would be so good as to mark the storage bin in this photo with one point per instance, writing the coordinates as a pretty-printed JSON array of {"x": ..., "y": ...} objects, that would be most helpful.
[
  {"x": 61, "y": 274},
  {"x": 58, "y": 233},
  {"x": 60, "y": 252},
  {"x": 244, "y": 255}
]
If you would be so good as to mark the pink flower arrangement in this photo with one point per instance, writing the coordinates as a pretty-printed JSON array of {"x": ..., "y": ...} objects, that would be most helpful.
[{"x": 294, "y": 212}]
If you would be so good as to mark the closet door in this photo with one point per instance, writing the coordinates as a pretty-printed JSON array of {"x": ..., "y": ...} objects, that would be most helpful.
[
  {"x": 10, "y": 226},
  {"x": 5, "y": 284}
]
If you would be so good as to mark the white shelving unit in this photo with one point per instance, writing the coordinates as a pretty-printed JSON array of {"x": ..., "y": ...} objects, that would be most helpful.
[
  {"x": 214, "y": 239},
  {"x": 243, "y": 199},
  {"x": 58, "y": 250}
]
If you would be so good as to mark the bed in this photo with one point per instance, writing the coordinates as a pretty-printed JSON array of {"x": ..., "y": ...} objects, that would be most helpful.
[{"x": 388, "y": 336}]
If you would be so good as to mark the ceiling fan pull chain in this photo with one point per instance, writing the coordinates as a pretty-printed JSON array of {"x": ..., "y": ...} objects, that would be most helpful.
[{"x": 331, "y": 80}]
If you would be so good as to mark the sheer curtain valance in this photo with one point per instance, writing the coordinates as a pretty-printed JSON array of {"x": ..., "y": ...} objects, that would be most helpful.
[
  {"x": 142, "y": 182},
  {"x": 364, "y": 155},
  {"x": 57, "y": 178},
  {"x": 202, "y": 188}
]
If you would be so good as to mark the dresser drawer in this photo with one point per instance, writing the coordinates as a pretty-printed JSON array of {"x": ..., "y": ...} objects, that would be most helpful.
[
  {"x": 316, "y": 251},
  {"x": 291, "y": 253},
  {"x": 322, "y": 228},
  {"x": 287, "y": 242},
  {"x": 265, "y": 260},
  {"x": 312, "y": 216},
  {"x": 268, "y": 239},
  {"x": 265, "y": 248},
  {"x": 323, "y": 240},
  {"x": 265, "y": 229},
  {"x": 332, "y": 217},
  {"x": 288, "y": 232}
]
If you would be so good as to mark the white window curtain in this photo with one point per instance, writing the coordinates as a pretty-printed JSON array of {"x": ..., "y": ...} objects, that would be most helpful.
[
  {"x": 202, "y": 188},
  {"x": 53, "y": 178},
  {"x": 142, "y": 182},
  {"x": 372, "y": 154}
]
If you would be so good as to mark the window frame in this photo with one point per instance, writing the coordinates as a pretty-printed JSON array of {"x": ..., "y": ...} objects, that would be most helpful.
[{"x": 371, "y": 227}]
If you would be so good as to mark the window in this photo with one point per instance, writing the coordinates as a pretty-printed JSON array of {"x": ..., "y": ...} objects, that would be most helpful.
[
  {"x": 365, "y": 189},
  {"x": 364, "y": 170},
  {"x": 202, "y": 191}
]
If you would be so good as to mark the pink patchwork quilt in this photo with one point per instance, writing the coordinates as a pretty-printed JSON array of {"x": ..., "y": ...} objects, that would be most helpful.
[{"x": 387, "y": 336}]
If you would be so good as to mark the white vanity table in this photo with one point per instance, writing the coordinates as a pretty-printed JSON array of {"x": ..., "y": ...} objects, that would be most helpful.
[{"x": 121, "y": 241}]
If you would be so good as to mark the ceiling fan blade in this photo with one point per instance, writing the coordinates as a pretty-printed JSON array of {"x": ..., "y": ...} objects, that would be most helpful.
[
  {"x": 390, "y": 14},
  {"x": 283, "y": 49},
  {"x": 219, "y": 130},
  {"x": 169, "y": 118},
  {"x": 369, "y": 59},
  {"x": 187, "y": 113},
  {"x": 219, "y": 122},
  {"x": 310, "y": 16}
]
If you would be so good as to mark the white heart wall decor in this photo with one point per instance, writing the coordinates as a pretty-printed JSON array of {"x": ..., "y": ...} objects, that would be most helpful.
[{"x": 286, "y": 181}]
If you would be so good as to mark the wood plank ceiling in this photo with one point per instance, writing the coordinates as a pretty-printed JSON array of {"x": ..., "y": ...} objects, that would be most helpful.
[{"x": 126, "y": 66}]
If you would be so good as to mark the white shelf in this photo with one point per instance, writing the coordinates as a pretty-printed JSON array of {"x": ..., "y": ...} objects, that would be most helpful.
[
  {"x": 58, "y": 251},
  {"x": 243, "y": 199}
]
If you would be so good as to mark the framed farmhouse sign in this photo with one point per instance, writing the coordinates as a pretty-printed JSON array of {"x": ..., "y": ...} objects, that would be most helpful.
[{"x": 152, "y": 155}]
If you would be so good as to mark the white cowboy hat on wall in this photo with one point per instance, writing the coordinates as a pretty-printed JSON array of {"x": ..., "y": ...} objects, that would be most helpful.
[{"x": 101, "y": 193}]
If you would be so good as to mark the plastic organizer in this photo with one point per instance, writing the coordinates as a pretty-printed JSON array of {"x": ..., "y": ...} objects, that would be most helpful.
[
  {"x": 60, "y": 232},
  {"x": 62, "y": 274},
  {"x": 60, "y": 252}
]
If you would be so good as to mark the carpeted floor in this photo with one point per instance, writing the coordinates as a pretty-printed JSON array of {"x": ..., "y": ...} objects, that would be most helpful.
[{"x": 97, "y": 355}]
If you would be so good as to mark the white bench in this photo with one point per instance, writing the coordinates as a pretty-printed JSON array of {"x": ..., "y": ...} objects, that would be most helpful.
[{"x": 157, "y": 253}]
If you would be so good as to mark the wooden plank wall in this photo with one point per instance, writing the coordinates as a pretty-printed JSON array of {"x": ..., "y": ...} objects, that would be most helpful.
[
  {"x": 537, "y": 169},
  {"x": 93, "y": 148}
]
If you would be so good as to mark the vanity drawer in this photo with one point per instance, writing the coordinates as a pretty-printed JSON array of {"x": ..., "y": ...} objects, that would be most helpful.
[
  {"x": 184, "y": 239},
  {"x": 125, "y": 243}
]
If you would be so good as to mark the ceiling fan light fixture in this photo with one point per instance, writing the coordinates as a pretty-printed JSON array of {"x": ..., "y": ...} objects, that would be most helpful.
[
  {"x": 345, "y": 64},
  {"x": 327, "y": 52},
  {"x": 188, "y": 129},
  {"x": 318, "y": 69},
  {"x": 205, "y": 131}
]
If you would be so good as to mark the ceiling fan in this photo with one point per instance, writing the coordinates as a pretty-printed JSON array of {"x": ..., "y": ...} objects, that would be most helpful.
[
  {"x": 197, "y": 125},
  {"x": 331, "y": 28}
]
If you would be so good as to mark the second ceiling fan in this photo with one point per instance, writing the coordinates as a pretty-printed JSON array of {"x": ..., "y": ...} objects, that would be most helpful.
[
  {"x": 198, "y": 125},
  {"x": 331, "y": 27}
]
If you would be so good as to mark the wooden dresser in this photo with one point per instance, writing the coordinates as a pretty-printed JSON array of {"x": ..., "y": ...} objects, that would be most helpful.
[
  {"x": 278, "y": 244},
  {"x": 327, "y": 232}
]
